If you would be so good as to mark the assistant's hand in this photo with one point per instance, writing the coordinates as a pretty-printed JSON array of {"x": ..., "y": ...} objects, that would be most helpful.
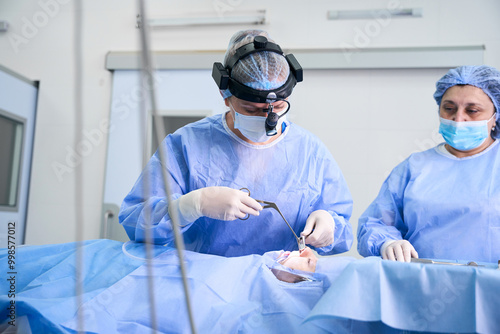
[
  {"x": 319, "y": 229},
  {"x": 398, "y": 250},
  {"x": 218, "y": 203}
]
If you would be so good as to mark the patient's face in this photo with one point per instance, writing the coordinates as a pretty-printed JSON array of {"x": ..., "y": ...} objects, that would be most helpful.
[{"x": 305, "y": 261}]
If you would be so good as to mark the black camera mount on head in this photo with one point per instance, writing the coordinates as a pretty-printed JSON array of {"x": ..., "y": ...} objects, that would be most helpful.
[{"x": 222, "y": 74}]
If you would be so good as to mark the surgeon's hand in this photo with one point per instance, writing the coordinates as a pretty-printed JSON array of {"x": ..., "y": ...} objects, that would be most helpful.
[
  {"x": 398, "y": 250},
  {"x": 221, "y": 203},
  {"x": 319, "y": 229}
]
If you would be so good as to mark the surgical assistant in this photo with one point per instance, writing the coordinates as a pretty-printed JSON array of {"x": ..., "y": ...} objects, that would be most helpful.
[
  {"x": 444, "y": 203},
  {"x": 251, "y": 146}
]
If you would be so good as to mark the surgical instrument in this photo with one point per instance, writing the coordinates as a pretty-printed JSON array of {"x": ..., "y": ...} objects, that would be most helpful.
[
  {"x": 470, "y": 264},
  {"x": 300, "y": 241}
]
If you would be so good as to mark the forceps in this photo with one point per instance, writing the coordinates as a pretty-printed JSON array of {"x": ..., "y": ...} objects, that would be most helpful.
[
  {"x": 470, "y": 264},
  {"x": 300, "y": 241}
]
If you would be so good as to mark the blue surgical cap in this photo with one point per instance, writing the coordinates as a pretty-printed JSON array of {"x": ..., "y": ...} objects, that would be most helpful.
[
  {"x": 484, "y": 77},
  {"x": 261, "y": 70}
]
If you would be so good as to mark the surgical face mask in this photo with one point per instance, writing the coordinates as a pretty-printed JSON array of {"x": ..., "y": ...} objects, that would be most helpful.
[
  {"x": 464, "y": 136},
  {"x": 253, "y": 127}
]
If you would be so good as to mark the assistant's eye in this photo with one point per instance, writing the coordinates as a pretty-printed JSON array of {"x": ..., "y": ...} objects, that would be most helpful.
[{"x": 472, "y": 111}]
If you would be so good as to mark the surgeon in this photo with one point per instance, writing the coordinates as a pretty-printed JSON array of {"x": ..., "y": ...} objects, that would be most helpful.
[
  {"x": 444, "y": 203},
  {"x": 254, "y": 146}
]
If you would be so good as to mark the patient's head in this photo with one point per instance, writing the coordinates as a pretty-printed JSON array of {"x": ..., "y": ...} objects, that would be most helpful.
[{"x": 304, "y": 261}]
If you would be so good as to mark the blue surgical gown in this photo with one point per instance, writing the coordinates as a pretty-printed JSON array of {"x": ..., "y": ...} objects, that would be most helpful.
[
  {"x": 446, "y": 207},
  {"x": 296, "y": 171}
]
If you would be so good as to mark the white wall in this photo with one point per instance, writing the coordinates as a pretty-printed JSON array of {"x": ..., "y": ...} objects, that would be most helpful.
[{"x": 39, "y": 45}]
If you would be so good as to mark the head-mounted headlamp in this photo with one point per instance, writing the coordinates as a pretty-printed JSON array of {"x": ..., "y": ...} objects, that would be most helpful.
[{"x": 223, "y": 79}]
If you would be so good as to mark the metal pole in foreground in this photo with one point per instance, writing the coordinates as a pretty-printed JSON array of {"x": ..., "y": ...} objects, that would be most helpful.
[{"x": 160, "y": 133}]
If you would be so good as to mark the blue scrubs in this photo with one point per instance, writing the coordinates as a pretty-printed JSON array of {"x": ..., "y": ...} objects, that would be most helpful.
[
  {"x": 296, "y": 171},
  {"x": 446, "y": 207}
]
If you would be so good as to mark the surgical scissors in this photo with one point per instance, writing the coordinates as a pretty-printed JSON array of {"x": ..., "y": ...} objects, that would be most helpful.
[{"x": 300, "y": 241}]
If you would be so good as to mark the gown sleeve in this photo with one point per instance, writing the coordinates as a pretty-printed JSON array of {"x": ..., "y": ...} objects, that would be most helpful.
[
  {"x": 383, "y": 220},
  {"x": 335, "y": 198},
  {"x": 147, "y": 201}
]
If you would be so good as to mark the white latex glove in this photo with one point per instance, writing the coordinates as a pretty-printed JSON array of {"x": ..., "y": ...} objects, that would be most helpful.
[
  {"x": 398, "y": 250},
  {"x": 319, "y": 229},
  {"x": 221, "y": 203}
]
